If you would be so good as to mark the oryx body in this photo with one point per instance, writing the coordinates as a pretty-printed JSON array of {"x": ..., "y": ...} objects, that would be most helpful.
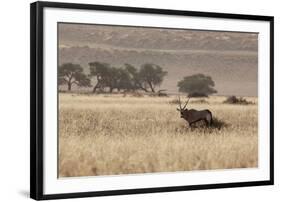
[{"x": 192, "y": 116}]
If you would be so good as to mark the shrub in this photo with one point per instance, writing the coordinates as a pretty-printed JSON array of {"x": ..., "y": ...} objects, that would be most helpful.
[
  {"x": 236, "y": 100},
  {"x": 196, "y": 94}
]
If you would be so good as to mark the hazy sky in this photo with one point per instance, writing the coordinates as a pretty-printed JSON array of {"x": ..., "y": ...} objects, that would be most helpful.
[{"x": 230, "y": 58}]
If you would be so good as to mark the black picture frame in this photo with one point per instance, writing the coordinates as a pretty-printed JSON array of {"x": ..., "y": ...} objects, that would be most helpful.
[{"x": 36, "y": 98}]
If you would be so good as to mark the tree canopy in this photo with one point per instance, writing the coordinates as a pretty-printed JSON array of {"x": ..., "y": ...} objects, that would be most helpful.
[
  {"x": 197, "y": 84},
  {"x": 151, "y": 75},
  {"x": 70, "y": 74},
  {"x": 127, "y": 78},
  {"x": 106, "y": 76}
]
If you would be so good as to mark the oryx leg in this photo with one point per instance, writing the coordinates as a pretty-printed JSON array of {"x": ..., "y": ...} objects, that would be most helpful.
[{"x": 208, "y": 119}]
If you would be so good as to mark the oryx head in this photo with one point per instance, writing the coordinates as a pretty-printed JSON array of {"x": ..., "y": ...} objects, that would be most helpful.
[{"x": 182, "y": 109}]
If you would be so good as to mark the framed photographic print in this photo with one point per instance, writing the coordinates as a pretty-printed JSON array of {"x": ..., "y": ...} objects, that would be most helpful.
[{"x": 136, "y": 100}]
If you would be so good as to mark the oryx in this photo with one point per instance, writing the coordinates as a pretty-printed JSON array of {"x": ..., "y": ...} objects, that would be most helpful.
[{"x": 192, "y": 116}]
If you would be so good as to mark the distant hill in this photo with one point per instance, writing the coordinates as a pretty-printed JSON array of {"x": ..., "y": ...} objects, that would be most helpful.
[{"x": 230, "y": 58}]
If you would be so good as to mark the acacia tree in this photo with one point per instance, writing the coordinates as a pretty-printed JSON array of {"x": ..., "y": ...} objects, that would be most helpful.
[
  {"x": 111, "y": 77},
  {"x": 114, "y": 79},
  {"x": 70, "y": 74},
  {"x": 150, "y": 76},
  {"x": 124, "y": 80},
  {"x": 127, "y": 78},
  {"x": 135, "y": 79},
  {"x": 102, "y": 73},
  {"x": 197, "y": 84}
]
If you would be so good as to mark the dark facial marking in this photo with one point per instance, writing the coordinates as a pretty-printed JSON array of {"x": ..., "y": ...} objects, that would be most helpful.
[{"x": 181, "y": 114}]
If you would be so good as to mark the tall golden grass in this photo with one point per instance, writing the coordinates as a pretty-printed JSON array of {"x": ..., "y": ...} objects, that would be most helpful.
[{"x": 111, "y": 134}]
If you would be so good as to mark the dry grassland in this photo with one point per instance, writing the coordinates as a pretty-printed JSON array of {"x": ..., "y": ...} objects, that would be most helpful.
[{"x": 111, "y": 134}]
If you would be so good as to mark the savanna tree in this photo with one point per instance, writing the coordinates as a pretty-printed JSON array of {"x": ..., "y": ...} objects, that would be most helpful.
[
  {"x": 102, "y": 72},
  {"x": 135, "y": 79},
  {"x": 127, "y": 78},
  {"x": 124, "y": 80},
  {"x": 150, "y": 76},
  {"x": 197, "y": 84},
  {"x": 70, "y": 74}
]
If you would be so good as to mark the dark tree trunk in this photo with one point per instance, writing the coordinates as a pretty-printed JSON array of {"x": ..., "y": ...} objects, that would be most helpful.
[
  {"x": 139, "y": 86},
  {"x": 96, "y": 87},
  {"x": 151, "y": 87},
  {"x": 69, "y": 86},
  {"x": 144, "y": 89}
]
